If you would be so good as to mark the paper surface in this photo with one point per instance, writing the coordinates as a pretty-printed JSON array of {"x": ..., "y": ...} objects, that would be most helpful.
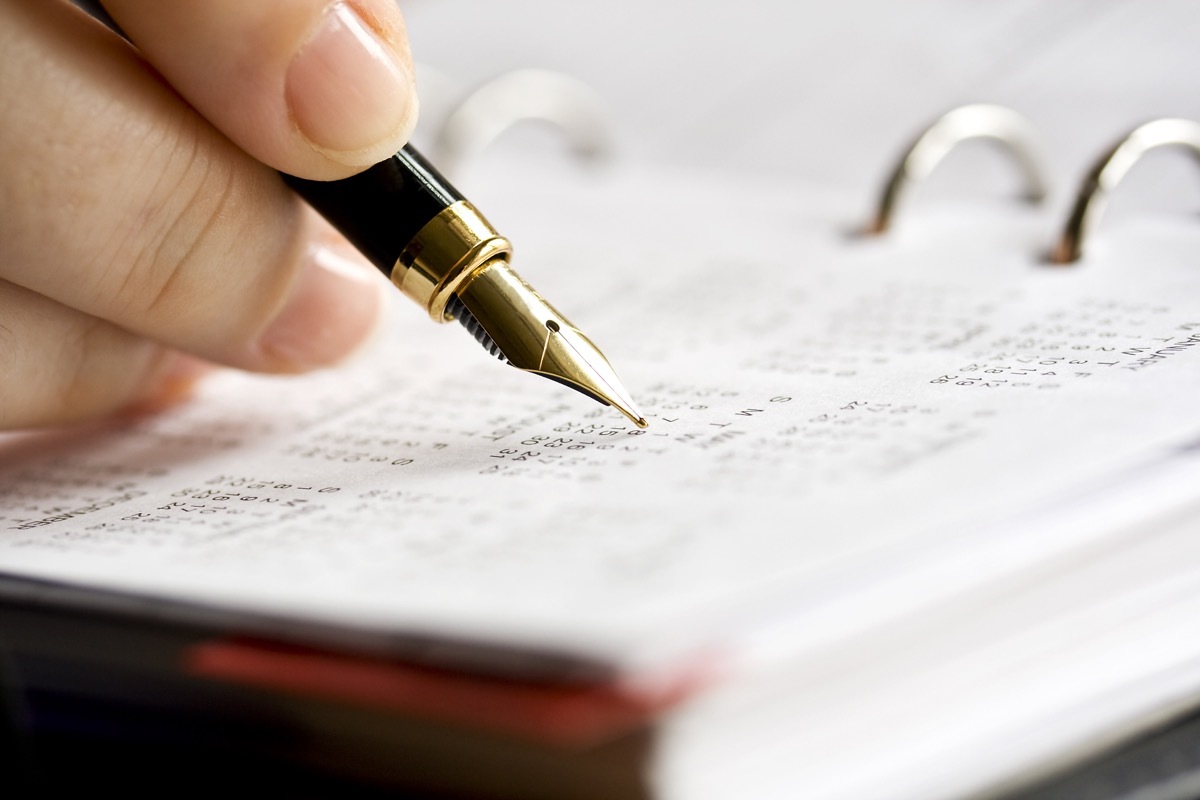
[
  {"x": 825, "y": 413},
  {"x": 833, "y": 92}
]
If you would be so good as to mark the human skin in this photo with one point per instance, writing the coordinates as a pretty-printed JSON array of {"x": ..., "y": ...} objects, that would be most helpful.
[{"x": 144, "y": 231}]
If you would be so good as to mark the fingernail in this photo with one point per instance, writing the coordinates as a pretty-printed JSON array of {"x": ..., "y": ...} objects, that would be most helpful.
[
  {"x": 334, "y": 310},
  {"x": 348, "y": 91}
]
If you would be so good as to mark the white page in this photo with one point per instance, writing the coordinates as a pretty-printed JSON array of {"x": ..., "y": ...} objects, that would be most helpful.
[
  {"x": 802, "y": 430},
  {"x": 830, "y": 91}
]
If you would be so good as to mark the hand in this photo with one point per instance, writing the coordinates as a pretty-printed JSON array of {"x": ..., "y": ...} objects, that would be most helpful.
[{"x": 143, "y": 231}]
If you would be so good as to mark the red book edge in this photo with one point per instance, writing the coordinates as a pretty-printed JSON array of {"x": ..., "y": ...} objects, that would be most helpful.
[{"x": 565, "y": 715}]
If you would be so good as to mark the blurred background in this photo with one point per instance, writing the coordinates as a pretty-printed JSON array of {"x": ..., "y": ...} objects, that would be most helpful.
[{"x": 830, "y": 92}]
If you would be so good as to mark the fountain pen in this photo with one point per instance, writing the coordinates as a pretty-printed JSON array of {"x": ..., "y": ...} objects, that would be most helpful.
[{"x": 440, "y": 251}]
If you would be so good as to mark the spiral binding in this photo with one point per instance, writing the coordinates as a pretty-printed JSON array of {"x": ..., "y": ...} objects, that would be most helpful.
[
  {"x": 475, "y": 122},
  {"x": 1007, "y": 127},
  {"x": 977, "y": 121},
  {"x": 1109, "y": 170},
  {"x": 467, "y": 127}
]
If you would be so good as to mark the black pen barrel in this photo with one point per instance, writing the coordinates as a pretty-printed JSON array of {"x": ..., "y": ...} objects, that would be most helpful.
[{"x": 381, "y": 209}]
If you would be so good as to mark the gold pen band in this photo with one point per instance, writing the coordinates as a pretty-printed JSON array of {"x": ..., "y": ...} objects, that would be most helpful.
[
  {"x": 443, "y": 255},
  {"x": 446, "y": 252}
]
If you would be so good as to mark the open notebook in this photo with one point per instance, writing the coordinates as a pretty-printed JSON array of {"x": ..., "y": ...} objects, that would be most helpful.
[{"x": 912, "y": 518}]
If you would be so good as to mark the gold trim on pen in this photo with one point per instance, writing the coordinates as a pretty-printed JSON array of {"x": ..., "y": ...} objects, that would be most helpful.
[
  {"x": 448, "y": 250},
  {"x": 458, "y": 253},
  {"x": 535, "y": 337}
]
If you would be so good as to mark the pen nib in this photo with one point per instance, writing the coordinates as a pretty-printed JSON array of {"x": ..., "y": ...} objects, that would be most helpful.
[{"x": 513, "y": 322}]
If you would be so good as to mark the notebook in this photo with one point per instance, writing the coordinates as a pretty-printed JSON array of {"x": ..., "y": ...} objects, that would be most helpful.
[
  {"x": 922, "y": 496},
  {"x": 913, "y": 516}
]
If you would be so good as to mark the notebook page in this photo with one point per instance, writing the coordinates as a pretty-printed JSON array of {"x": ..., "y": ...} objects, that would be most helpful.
[
  {"x": 817, "y": 405},
  {"x": 1032, "y": 674},
  {"x": 770, "y": 86}
]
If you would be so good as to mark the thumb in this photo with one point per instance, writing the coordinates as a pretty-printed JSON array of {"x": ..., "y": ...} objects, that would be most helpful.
[{"x": 315, "y": 88}]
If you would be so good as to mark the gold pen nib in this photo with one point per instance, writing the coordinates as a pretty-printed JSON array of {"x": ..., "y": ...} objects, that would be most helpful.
[{"x": 509, "y": 318}]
